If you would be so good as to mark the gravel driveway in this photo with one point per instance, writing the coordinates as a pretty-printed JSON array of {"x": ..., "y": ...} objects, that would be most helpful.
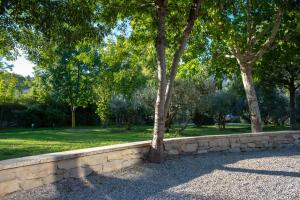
[{"x": 253, "y": 175}]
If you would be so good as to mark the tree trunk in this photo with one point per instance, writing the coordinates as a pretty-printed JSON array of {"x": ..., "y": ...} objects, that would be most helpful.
[
  {"x": 164, "y": 92},
  {"x": 73, "y": 110},
  {"x": 292, "y": 90},
  {"x": 193, "y": 15},
  {"x": 246, "y": 72},
  {"x": 157, "y": 149},
  {"x": 1, "y": 115},
  {"x": 168, "y": 122}
]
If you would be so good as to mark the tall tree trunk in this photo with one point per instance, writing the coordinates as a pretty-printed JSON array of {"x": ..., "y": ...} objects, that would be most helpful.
[
  {"x": 157, "y": 149},
  {"x": 73, "y": 110},
  {"x": 246, "y": 72},
  {"x": 292, "y": 90},
  {"x": 164, "y": 92}
]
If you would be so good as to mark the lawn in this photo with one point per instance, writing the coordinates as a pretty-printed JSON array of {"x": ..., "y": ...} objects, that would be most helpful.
[{"x": 25, "y": 142}]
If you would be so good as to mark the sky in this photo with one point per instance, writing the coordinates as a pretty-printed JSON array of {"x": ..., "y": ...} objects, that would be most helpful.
[{"x": 22, "y": 66}]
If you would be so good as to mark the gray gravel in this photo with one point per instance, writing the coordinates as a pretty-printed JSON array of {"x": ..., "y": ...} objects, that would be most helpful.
[{"x": 253, "y": 175}]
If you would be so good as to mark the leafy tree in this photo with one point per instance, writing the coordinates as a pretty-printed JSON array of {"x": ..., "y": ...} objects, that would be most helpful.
[
  {"x": 221, "y": 104},
  {"x": 280, "y": 67},
  {"x": 273, "y": 104},
  {"x": 246, "y": 30},
  {"x": 72, "y": 75},
  {"x": 8, "y": 83},
  {"x": 36, "y": 25},
  {"x": 172, "y": 22},
  {"x": 121, "y": 74},
  {"x": 148, "y": 18},
  {"x": 189, "y": 95}
]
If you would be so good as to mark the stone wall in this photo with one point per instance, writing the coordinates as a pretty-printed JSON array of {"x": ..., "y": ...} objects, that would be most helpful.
[
  {"x": 34, "y": 171},
  {"x": 232, "y": 143}
]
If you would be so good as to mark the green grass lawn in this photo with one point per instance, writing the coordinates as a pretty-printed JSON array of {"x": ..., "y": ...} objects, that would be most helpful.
[{"x": 24, "y": 142}]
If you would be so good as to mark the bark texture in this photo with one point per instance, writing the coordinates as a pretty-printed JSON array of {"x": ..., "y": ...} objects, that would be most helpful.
[
  {"x": 156, "y": 152},
  {"x": 255, "y": 117},
  {"x": 73, "y": 113}
]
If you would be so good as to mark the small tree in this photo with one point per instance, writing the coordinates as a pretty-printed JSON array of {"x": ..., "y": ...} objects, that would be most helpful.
[
  {"x": 221, "y": 104},
  {"x": 71, "y": 77},
  {"x": 273, "y": 104},
  {"x": 8, "y": 84}
]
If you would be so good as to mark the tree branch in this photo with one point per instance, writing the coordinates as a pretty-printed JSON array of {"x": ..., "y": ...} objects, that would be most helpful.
[
  {"x": 264, "y": 47},
  {"x": 250, "y": 25},
  {"x": 193, "y": 15}
]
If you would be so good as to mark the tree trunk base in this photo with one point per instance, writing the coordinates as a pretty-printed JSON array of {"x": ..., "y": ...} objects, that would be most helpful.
[{"x": 156, "y": 156}]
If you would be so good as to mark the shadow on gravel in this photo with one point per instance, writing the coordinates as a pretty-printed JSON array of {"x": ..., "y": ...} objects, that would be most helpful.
[
  {"x": 152, "y": 181},
  {"x": 262, "y": 172}
]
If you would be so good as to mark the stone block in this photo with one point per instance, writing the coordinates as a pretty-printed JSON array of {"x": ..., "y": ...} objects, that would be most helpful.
[
  {"x": 203, "y": 143},
  {"x": 8, "y": 187},
  {"x": 251, "y": 145},
  {"x": 200, "y": 151},
  {"x": 7, "y": 175},
  {"x": 68, "y": 164},
  {"x": 259, "y": 145},
  {"x": 189, "y": 147},
  {"x": 112, "y": 165},
  {"x": 116, "y": 155},
  {"x": 52, "y": 179},
  {"x": 32, "y": 183},
  {"x": 35, "y": 171},
  {"x": 134, "y": 156},
  {"x": 169, "y": 146},
  {"x": 219, "y": 143},
  {"x": 253, "y": 138},
  {"x": 234, "y": 140},
  {"x": 235, "y": 145},
  {"x": 132, "y": 151},
  {"x": 97, "y": 168},
  {"x": 80, "y": 172},
  {"x": 131, "y": 162},
  {"x": 93, "y": 159},
  {"x": 203, "y": 148},
  {"x": 172, "y": 152},
  {"x": 218, "y": 148}
]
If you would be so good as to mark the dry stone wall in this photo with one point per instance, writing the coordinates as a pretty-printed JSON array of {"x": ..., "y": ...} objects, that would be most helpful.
[
  {"x": 34, "y": 171},
  {"x": 232, "y": 143}
]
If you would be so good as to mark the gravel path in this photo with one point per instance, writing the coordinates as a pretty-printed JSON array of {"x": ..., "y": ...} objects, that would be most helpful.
[{"x": 266, "y": 175}]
